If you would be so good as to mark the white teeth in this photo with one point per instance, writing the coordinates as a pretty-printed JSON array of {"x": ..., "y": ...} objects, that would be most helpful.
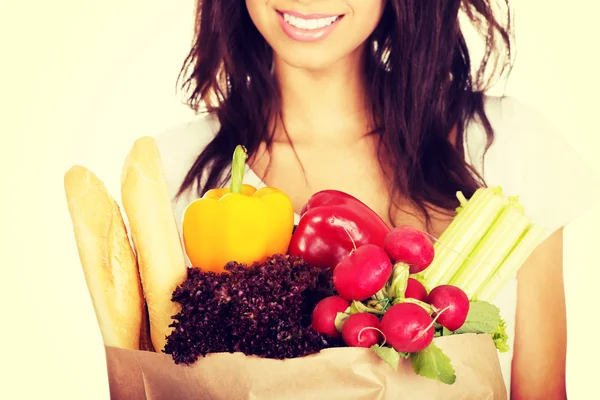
[{"x": 309, "y": 24}]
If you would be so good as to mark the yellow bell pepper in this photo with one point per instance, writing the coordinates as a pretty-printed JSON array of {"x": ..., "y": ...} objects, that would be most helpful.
[{"x": 238, "y": 223}]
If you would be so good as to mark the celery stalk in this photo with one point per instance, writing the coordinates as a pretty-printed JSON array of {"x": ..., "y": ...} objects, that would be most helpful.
[
  {"x": 462, "y": 200},
  {"x": 510, "y": 266},
  {"x": 462, "y": 235},
  {"x": 495, "y": 246},
  {"x": 465, "y": 211}
]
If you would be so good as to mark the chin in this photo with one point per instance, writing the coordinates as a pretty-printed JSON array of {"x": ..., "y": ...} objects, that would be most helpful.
[
  {"x": 310, "y": 60},
  {"x": 317, "y": 58}
]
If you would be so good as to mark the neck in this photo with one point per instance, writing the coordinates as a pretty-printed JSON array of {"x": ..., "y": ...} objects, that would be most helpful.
[{"x": 323, "y": 106}]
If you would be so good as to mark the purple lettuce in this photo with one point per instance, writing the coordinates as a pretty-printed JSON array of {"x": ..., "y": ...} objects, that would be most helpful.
[{"x": 263, "y": 310}]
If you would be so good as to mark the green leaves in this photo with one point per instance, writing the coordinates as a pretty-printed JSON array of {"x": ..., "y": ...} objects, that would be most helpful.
[
  {"x": 389, "y": 355},
  {"x": 500, "y": 337},
  {"x": 432, "y": 363},
  {"x": 483, "y": 317}
]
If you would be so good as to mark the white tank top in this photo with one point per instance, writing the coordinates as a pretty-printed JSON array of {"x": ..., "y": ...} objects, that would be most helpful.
[{"x": 528, "y": 158}]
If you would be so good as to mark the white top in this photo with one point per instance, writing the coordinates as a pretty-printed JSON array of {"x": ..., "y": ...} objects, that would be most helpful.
[{"x": 528, "y": 158}]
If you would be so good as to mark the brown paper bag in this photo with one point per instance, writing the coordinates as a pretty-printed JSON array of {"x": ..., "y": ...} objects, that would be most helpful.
[{"x": 337, "y": 373}]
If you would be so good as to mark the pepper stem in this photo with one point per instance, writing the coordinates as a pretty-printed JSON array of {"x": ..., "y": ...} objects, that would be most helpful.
[{"x": 238, "y": 165}]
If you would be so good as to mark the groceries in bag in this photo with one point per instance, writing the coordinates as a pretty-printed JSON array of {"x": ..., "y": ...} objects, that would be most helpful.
[{"x": 342, "y": 281}]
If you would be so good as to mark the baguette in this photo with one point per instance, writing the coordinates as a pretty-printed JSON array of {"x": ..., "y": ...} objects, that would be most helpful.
[
  {"x": 108, "y": 261},
  {"x": 156, "y": 240}
]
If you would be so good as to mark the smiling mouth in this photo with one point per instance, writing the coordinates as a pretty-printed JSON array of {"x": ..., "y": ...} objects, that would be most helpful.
[
  {"x": 312, "y": 22},
  {"x": 308, "y": 27}
]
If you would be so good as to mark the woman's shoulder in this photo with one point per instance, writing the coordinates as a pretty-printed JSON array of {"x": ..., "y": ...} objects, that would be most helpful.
[
  {"x": 520, "y": 131},
  {"x": 530, "y": 158},
  {"x": 512, "y": 117},
  {"x": 181, "y": 144},
  {"x": 512, "y": 121}
]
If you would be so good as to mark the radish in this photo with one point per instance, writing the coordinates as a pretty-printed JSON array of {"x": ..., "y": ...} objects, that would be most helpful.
[
  {"x": 415, "y": 290},
  {"x": 362, "y": 273},
  {"x": 324, "y": 314},
  {"x": 407, "y": 327},
  {"x": 408, "y": 245},
  {"x": 361, "y": 330},
  {"x": 450, "y": 304}
]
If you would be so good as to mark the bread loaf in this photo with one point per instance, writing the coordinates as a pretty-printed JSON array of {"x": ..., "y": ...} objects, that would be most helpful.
[
  {"x": 108, "y": 261},
  {"x": 147, "y": 204}
]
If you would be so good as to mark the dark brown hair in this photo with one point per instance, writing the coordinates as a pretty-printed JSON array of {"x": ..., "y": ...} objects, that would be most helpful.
[{"x": 423, "y": 91}]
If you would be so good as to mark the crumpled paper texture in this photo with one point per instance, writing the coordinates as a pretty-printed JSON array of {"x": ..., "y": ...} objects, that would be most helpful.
[{"x": 332, "y": 374}]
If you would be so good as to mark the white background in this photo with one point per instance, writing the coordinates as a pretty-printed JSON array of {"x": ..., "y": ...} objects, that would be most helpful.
[{"x": 80, "y": 80}]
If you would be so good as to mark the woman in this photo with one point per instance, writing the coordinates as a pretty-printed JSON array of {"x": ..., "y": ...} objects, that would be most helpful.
[{"x": 376, "y": 98}]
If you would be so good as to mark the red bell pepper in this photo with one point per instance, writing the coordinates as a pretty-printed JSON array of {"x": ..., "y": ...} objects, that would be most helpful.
[{"x": 331, "y": 224}]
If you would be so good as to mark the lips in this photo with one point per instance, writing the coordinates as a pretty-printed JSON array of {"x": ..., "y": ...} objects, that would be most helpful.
[{"x": 308, "y": 27}]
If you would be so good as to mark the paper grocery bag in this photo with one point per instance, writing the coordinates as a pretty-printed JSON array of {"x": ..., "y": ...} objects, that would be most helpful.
[{"x": 337, "y": 373}]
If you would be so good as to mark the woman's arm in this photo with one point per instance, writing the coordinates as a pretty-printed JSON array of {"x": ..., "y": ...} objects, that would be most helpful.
[{"x": 538, "y": 368}]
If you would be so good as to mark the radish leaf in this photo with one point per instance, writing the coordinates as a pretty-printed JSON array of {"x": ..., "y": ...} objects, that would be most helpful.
[
  {"x": 483, "y": 317},
  {"x": 389, "y": 355},
  {"x": 432, "y": 363}
]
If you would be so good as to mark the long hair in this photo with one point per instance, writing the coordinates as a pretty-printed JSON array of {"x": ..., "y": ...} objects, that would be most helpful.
[{"x": 422, "y": 87}]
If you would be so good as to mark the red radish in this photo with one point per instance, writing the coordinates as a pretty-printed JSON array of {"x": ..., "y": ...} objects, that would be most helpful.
[
  {"x": 361, "y": 330},
  {"x": 324, "y": 313},
  {"x": 410, "y": 246},
  {"x": 415, "y": 290},
  {"x": 451, "y": 304},
  {"x": 407, "y": 327},
  {"x": 362, "y": 273}
]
